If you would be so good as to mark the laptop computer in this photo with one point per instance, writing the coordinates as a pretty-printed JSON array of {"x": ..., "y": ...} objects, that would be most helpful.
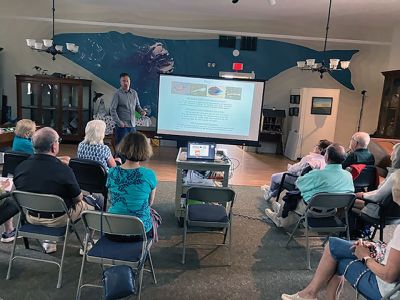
[{"x": 200, "y": 151}]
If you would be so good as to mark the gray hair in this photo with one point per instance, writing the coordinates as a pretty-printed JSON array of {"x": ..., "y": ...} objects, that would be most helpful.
[
  {"x": 362, "y": 138},
  {"x": 95, "y": 132},
  {"x": 43, "y": 139},
  {"x": 396, "y": 156}
]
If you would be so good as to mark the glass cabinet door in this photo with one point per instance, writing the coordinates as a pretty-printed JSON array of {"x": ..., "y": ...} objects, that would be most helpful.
[
  {"x": 30, "y": 94},
  {"x": 50, "y": 95},
  {"x": 70, "y": 109},
  {"x": 69, "y": 96},
  {"x": 86, "y": 108}
]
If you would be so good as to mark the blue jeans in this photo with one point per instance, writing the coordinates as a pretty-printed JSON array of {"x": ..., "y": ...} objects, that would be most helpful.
[
  {"x": 342, "y": 253},
  {"x": 276, "y": 179},
  {"x": 121, "y": 132}
]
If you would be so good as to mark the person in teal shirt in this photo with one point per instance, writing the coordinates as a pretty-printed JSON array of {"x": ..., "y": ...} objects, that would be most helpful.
[
  {"x": 132, "y": 187},
  {"x": 331, "y": 179},
  {"x": 24, "y": 130}
]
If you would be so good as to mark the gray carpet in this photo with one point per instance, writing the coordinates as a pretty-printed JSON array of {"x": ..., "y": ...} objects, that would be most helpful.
[{"x": 262, "y": 268}]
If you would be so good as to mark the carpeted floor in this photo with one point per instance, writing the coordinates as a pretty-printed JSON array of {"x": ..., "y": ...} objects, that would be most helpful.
[{"x": 262, "y": 268}]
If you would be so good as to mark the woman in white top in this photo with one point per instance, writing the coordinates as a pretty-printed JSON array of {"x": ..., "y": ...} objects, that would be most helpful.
[
  {"x": 373, "y": 277},
  {"x": 315, "y": 160},
  {"x": 385, "y": 188}
]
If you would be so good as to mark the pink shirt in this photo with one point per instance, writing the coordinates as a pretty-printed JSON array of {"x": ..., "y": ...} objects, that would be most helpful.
[{"x": 314, "y": 160}]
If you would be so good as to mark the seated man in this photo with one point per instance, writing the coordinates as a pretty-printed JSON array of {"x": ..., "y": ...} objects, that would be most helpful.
[
  {"x": 359, "y": 153},
  {"x": 315, "y": 160},
  {"x": 44, "y": 173},
  {"x": 332, "y": 179}
]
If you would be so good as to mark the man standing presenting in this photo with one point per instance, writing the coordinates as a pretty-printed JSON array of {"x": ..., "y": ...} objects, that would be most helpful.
[{"x": 123, "y": 106}]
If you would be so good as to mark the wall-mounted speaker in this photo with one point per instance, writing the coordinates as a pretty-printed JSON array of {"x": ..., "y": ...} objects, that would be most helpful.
[
  {"x": 248, "y": 43},
  {"x": 227, "y": 41}
]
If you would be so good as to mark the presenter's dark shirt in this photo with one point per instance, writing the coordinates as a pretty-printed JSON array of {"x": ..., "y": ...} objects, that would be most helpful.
[
  {"x": 46, "y": 174},
  {"x": 359, "y": 156}
]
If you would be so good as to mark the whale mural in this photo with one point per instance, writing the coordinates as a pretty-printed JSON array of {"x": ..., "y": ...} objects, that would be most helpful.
[{"x": 108, "y": 54}]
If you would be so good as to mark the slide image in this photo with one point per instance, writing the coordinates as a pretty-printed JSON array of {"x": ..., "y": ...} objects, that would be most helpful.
[
  {"x": 233, "y": 93},
  {"x": 181, "y": 88},
  {"x": 198, "y": 90},
  {"x": 216, "y": 91}
]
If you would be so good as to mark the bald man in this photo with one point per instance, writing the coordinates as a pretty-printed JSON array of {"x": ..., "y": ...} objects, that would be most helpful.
[
  {"x": 44, "y": 173},
  {"x": 332, "y": 179},
  {"x": 359, "y": 153}
]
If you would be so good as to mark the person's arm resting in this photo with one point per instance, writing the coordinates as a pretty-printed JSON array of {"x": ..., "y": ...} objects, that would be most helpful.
[{"x": 391, "y": 271}]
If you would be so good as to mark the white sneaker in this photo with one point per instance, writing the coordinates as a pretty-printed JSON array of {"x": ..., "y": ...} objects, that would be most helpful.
[
  {"x": 276, "y": 207},
  {"x": 273, "y": 216},
  {"x": 89, "y": 246},
  {"x": 49, "y": 247},
  {"x": 265, "y": 188},
  {"x": 267, "y": 196}
]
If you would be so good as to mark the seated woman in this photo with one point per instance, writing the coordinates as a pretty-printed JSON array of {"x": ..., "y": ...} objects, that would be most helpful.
[
  {"x": 373, "y": 277},
  {"x": 24, "y": 130},
  {"x": 385, "y": 188},
  {"x": 132, "y": 187},
  {"x": 315, "y": 160},
  {"x": 22, "y": 142},
  {"x": 93, "y": 148}
]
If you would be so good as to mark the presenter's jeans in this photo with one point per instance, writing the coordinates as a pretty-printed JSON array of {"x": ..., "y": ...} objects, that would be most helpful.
[{"x": 120, "y": 132}]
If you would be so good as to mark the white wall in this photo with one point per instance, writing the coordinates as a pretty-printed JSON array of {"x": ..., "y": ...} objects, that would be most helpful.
[
  {"x": 366, "y": 66},
  {"x": 394, "y": 59}
]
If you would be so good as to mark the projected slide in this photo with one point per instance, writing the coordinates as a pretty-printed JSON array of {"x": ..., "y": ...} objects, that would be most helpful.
[{"x": 209, "y": 107}]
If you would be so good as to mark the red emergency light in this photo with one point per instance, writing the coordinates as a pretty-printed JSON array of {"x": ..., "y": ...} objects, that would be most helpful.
[{"x": 237, "y": 66}]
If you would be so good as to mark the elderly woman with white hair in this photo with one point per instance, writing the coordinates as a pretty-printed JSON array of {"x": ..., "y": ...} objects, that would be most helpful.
[
  {"x": 385, "y": 188},
  {"x": 93, "y": 148}
]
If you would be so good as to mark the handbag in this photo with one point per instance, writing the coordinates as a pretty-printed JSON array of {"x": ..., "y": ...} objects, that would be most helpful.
[{"x": 118, "y": 281}]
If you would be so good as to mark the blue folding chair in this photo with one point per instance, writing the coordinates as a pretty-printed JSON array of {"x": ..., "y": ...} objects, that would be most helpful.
[
  {"x": 46, "y": 204},
  {"x": 215, "y": 212},
  {"x": 108, "y": 252}
]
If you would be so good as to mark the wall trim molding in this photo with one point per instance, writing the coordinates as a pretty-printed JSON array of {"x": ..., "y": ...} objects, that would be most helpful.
[{"x": 203, "y": 31}]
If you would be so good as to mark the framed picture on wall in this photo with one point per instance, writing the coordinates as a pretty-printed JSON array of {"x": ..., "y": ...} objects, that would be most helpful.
[{"x": 321, "y": 105}]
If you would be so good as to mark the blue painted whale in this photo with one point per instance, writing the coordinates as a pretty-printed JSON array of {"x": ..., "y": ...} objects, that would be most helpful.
[{"x": 108, "y": 54}]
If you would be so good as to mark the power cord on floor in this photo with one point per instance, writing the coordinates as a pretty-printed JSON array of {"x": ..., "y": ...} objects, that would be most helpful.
[{"x": 262, "y": 219}]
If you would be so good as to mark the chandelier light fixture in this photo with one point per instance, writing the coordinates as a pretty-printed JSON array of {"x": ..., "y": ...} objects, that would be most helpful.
[
  {"x": 49, "y": 46},
  {"x": 323, "y": 67}
]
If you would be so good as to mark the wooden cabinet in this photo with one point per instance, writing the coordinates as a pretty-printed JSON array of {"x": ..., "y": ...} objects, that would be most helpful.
[
  {"x": 389, "y": 116},
  {"x": 61, "y": 103}
]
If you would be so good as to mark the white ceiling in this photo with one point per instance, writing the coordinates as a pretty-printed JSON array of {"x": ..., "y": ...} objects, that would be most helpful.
[{"x": 372, "y": 20}]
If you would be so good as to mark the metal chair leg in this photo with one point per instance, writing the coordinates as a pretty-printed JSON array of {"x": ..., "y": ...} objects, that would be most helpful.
[
  {"x": 308, "y": 249},
  {"x": 78, "y": 292},
  {"x": 151, "y": 267},
  {"x": 62, "y": 260},
  {"x": 293, "y": 232},
  {"x": 184, "y": 242},
  {"x": 12, "y": 255},
  {"x": 230, "y": 244},
  {"x": 140, "y": 282}
]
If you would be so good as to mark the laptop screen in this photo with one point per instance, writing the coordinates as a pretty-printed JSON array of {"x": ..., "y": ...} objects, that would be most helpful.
[{"x": 201, "y": 151}]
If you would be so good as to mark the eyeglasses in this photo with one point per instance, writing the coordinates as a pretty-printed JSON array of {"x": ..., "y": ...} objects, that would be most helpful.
[{"x": 59, "y": 140}]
